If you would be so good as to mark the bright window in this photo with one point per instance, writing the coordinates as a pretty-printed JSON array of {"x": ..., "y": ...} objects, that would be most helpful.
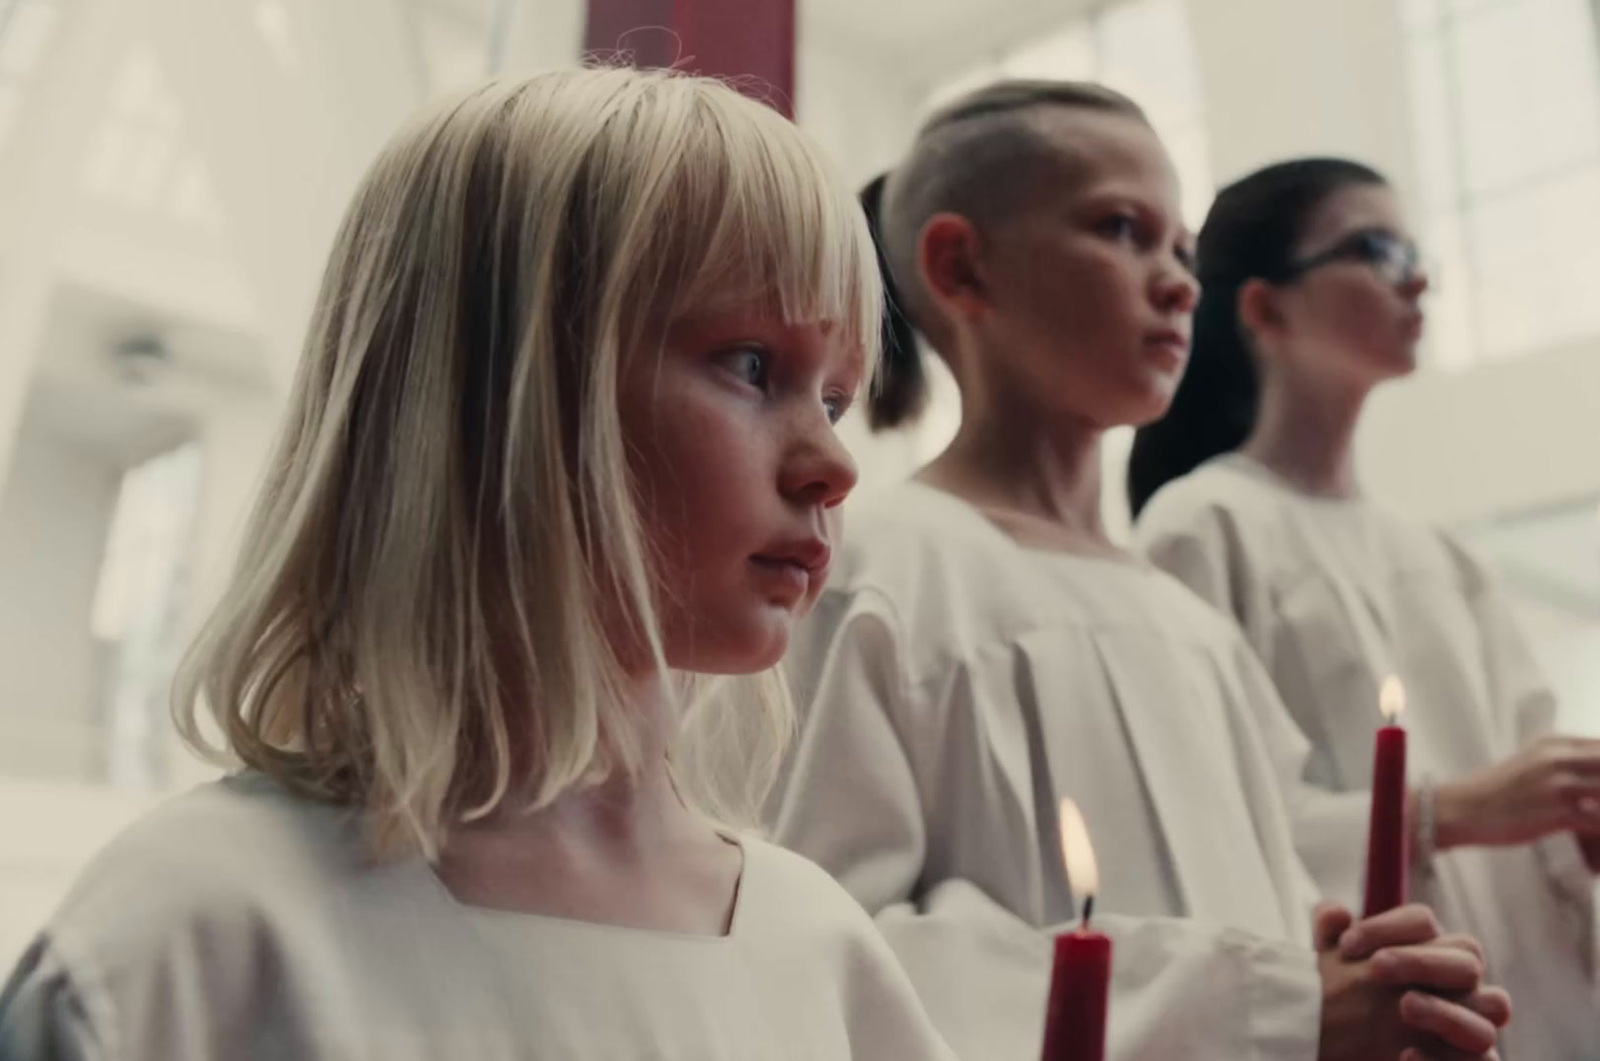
[
  {"x": 1506, "y": 100},
  {"x": 26, "y": 28}
]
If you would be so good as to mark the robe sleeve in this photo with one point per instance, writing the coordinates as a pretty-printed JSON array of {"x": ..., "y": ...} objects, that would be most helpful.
[
  {"x": 45, "y": 1012},
  {"x": 1324, "y": 824},
  {"x": 851, "y": 802},
  {"x": 1523, "y": 701},
  {"x": 1199, "y": 552},
  {"x": 1525, "y": 706},
  {"x": 1179, "y": 989},
  {"x": 1329, "y": 825}
]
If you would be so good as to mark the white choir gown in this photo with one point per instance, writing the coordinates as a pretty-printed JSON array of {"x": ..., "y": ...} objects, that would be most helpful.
[
  {"x": 953, "y": 687},
  {"x": 239, "y": 923},
  {"x": 1335, "y": 596}
]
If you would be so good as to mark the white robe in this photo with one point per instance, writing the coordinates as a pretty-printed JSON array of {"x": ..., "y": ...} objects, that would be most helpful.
[
  {"x": 238, "y": 923},
  {"x": 953, "y": 686},
  {"x": 1335, "y": 595}
]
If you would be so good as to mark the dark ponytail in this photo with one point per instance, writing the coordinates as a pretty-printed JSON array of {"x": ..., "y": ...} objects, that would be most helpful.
[
  {"x": 1251, "y": 232},
  {"x": 900, "y": 388}
]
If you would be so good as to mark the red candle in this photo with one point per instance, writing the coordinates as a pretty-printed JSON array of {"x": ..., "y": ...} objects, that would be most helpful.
[
  {"x": 1075, "y": 1020},
  {"x": 1388, "y": 837}
]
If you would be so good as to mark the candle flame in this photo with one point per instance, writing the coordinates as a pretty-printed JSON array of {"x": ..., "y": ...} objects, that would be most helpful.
[
  {"x": 1391, "y": 699},
  {"x": 1083, "y": 873}
]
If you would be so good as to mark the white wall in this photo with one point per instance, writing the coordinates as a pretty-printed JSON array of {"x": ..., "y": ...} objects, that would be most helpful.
[
  {"x": 1571, "y": 658},
  {"x": 1297, "y": 77},
  {"x": 1493, "y": 439},
  {"x": 48, "y": 830},
  {"x": 859, "y": 108},
  {"x": 54, "y": 516}
]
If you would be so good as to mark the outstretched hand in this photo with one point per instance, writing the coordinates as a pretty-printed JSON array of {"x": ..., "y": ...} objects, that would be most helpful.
[{"x": 1551, "y": 785}]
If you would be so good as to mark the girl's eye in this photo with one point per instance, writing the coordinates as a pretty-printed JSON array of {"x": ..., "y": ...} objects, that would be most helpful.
[
  {"x": 1118, "y": 226},
  {"x": 837, "y": 405},
  {"x": 750, "y": 366}
]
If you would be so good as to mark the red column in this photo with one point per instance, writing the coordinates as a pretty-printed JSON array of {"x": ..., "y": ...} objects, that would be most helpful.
[{"x": 748, "y": 40}]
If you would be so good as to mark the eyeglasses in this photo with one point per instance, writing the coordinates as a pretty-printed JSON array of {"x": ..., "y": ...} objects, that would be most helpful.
[{"x": 1392, "y": 257}]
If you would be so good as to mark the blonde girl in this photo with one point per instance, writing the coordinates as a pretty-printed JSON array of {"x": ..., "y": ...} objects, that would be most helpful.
[{"x": 561, "y": 445}]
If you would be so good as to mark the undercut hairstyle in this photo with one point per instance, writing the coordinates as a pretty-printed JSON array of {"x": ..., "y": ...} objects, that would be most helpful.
[{"x": 982, "y": 157}]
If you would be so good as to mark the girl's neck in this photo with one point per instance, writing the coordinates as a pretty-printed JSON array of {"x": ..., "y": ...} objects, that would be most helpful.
[
  {"x": 627, "y": 851},
  {"x": 631, "y": 809},
  {"x": 1305, "y": 434},
  {"x": 1028, "y": 466}
]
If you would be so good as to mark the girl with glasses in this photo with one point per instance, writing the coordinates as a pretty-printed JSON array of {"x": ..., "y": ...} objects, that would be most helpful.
[{"x": 1247, "y": 492}]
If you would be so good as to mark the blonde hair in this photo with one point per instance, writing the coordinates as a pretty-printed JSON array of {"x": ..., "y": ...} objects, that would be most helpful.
[{"x": 417, "y": 622}]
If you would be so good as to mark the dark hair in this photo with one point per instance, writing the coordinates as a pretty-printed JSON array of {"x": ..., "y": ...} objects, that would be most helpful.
[
  {"x": 978, "y": 157},
  {"x": 1251, "y": 231},
  {"x": 900, "y": 387}
]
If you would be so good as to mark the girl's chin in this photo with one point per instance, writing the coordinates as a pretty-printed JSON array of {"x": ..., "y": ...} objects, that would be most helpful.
[
  {"x": 1143, "y": 408},
  {"x": 1394, "y": 364},
  {"x": 751, "y": 650}
]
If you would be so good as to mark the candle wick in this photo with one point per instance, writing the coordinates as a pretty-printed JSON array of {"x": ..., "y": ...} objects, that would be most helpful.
[{"x": 1088, "y": 910}]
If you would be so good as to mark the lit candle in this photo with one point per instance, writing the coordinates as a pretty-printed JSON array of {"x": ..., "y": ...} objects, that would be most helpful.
[
  {"x": 1388, "y": 837},
  {"x": 1075, "y": 1022}
]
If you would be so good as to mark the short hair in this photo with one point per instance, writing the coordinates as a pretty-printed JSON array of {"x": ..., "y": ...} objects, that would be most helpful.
[
  {"x": 981, "y": 157},
  {"x": 418, "y": 596}
]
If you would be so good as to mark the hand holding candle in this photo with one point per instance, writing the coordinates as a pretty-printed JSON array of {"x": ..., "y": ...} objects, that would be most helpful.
[
  {"x": 1388, "y": 838},
  {"x": 1075, "y": 1022}
]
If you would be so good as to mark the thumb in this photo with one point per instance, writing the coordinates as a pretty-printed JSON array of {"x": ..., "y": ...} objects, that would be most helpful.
[{"x": 1328, "y": 922}]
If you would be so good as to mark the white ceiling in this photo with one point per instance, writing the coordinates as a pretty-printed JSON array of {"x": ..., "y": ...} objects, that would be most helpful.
[
  {"x": 900, "y": 25},
  {"x": 926, "y": 38},
  {"x": 82, "y": 394},
  {"x": 913, "y": 27}
]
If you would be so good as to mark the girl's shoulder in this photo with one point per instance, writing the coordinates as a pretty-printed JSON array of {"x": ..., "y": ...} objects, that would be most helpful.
[
  {"x": 1226, "y": 494},
  {"x": 789, "y": 904},
  {"x": 785, "y": 890},
  {"x": 210, "y": 871}
]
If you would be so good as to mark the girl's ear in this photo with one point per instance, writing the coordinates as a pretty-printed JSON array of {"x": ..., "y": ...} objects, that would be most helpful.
[
  {"x": 1260, "y": 308},
  {"x": 948, "y": 254}
]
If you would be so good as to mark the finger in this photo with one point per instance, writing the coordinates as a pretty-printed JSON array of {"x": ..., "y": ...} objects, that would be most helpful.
[
  {"x": 1590, "y": 846},
  {"x": 1583, "y": 807},
  {"x": 1583, "y": 762},
  {"x": 1462, "y": 941},
  {"x": 1580, "y": 751},
  {"x": 1492, "y": 1003},
  {"x": 1445, "y": 1053},
  {"x": 1328, "y": 922},
  {"x": 1430, "y": 966},
  {"x": 1400, "y": 927},
  {"x": 1452, "y": 1024}
]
